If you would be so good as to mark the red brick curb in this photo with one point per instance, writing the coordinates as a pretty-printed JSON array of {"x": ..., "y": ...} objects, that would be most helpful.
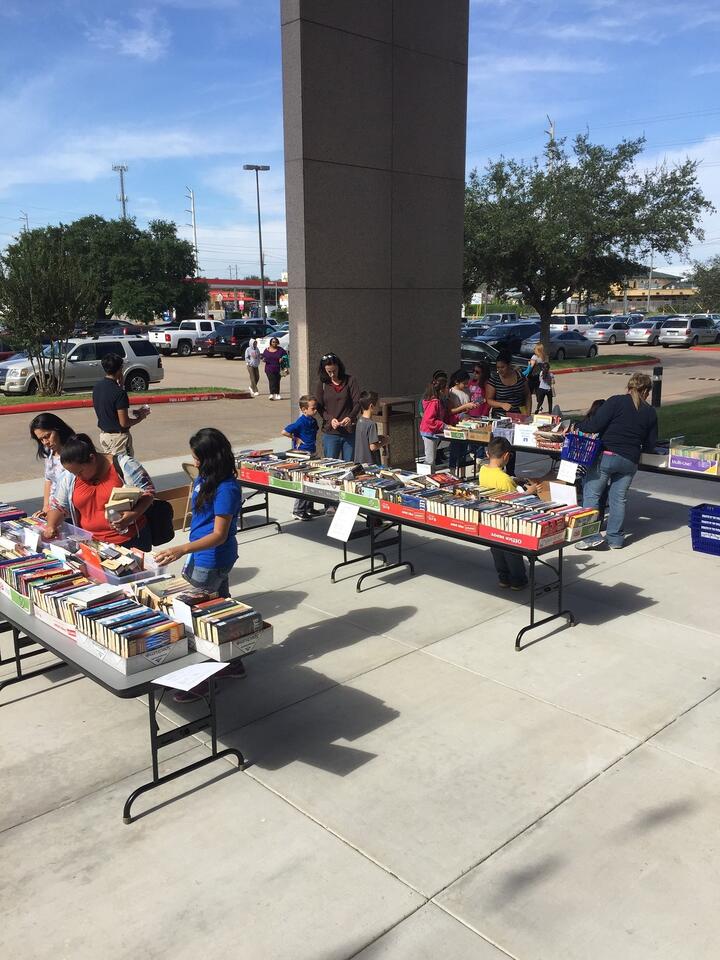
[{"x": 136, "y": 399}]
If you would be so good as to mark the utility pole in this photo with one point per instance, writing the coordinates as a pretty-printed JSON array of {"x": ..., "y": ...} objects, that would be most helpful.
[
  {"x": 551, "y": 135},
  {"x": 650, "y": 273},
  {"x": 24, "y": 217},
  {"x": 190, "y": 195},
  {"x": 121, "y": 168},
  {"x": 257, "y": 168}
]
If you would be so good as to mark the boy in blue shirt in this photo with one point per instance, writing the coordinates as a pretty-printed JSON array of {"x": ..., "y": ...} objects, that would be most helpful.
[{"x": 303, "y": 433}]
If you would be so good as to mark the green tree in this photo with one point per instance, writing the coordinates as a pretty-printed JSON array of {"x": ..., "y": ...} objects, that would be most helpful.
[
  {"x": 139, "y": 273},
  {"x": 706, "y": 276},
  {"x": 578, "y": 222},
  {"x": 44, "y": 293}
]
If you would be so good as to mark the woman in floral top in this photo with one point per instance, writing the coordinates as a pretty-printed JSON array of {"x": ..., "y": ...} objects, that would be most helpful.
[{"x": 50, "y": 433}]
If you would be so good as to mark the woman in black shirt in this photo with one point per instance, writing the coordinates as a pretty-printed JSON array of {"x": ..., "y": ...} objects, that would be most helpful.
[
  {"x": 627, "y": 425},
  {"x": 507, "y": 390}
]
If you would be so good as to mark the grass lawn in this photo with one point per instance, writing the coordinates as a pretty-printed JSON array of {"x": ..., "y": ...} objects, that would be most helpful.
[
  {"x": 9, "y": 399},
  {"x": 697, "y": 420},
  {"x": 610, "y": 359}
]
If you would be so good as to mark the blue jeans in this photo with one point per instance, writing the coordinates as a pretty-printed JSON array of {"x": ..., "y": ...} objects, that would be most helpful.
[
  {"x": 458, "y": 453},
  {"x": 339, "y": 446},
  {"x": 212, "y": 579},
  {"x": 510, "y": 567},
  {"x": 614, "y": 474}
]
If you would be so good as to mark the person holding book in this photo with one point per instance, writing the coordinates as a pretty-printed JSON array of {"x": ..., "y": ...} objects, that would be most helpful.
[
  {"x": 507, "y": 390},
  {"x": 368, "y": 440},
  {"x": 510, "y": 566},
  {"x": 111, "y": 404},
  {"x": 303, "y": 435},
  {"x": 86, "y": 487},
  {"x": 627, "y": 426},
  {"x": 338, "y": 402},
  {"x": 50, "y": 433}
]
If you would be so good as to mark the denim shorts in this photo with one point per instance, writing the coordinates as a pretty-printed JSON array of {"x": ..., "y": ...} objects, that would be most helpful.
[{"x": 212, "y": 579}]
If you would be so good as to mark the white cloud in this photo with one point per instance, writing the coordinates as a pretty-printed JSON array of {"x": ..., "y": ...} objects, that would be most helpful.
[
  {"x": 490, "y": 64},
  {"x": 148, "y": 39},
  {"x": 88, "y": 157},
  {"x": 704, "y": 69}
]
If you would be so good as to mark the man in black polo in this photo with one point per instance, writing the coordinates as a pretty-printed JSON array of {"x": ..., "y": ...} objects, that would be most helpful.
[{"x": 111, "y": 404}]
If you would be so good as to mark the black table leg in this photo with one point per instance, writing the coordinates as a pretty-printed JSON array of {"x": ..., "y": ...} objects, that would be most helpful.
[
  {"x": 19, "y": 645},
  {"x": 377, "y": 537},
  {"x": 263, "y": 506},
  {"x": 557, "y": 584},
  {"x": 158, "y": 740}
]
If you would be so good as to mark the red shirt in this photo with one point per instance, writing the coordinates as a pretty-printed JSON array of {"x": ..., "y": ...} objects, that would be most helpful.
[{"x": 89, "y": 502}]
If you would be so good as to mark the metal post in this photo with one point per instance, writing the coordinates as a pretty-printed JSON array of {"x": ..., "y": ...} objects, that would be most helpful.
[
  {"x": 647, "y": 305},
  {"x": 121, "y": 168},
  {"x": 257, "y": 167},
  {"x": 657, "y": 386}
]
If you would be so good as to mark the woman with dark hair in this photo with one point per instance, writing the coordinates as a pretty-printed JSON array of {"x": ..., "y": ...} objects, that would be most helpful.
[
  {"x": 338, "y": 402},
  {"x": 627, "y": 426},
  {"x": 507, "y": 390},
  {"x": 85, "y": 487},
  {"x": 216, "y": 501},
  {"x": 50, "y": 433},
  {"x": 273, "y": 356}
]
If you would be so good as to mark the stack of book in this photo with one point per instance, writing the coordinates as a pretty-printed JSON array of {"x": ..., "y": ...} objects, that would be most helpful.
[
  {"x": 121, "y": 500},
  {"x": 126, "y": 627},
  {"x": 111, "y": 560},
  {"x": 9, "y": 512},
  {"x": 159, "y": 592}
]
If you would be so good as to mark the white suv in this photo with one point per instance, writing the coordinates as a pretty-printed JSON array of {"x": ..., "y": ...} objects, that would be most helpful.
[
  {"x": 688, "y": 332},
  {"x": 571, "y": 321},
  {"x": 143, "y": 365}
]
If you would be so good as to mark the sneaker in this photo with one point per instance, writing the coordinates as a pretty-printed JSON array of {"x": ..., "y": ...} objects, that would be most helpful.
[
  {"x": 302, "y": 516},
  {"x": 616, "y": 546},
  {"x": 519, "y": 586},
  {"x": 504, "y": 584},
  {"x": 192, "y": 696},
  {"x": 590, "y": 544},
  {"x": 235, "y": 671},
  {"x": 272, "y": 396}
]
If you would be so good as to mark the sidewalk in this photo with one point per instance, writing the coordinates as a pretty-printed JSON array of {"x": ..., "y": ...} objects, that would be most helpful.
[{"x": 417, "y": 790}]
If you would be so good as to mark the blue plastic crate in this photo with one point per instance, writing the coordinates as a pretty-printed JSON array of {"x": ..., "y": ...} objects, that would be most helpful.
[
  {"x": 705, "y": 510},
  {"x": 706, "y": 546}
]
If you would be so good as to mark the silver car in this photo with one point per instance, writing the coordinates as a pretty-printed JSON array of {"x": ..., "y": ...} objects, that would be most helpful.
[
  {"x": 609, "y": 331},
  {"x": 143, "y": 364},
  {"x": 688, "y": 332},
  {"x": 563, "y": 344},
  {"x": 645, "y": 331}
]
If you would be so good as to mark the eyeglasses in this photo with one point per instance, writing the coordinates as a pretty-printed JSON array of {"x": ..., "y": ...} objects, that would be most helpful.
[{"x": 328, "y": 358}]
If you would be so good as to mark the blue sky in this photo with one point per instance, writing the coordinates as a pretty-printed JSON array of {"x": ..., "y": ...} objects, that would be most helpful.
[{"x": 186, "y": 91}]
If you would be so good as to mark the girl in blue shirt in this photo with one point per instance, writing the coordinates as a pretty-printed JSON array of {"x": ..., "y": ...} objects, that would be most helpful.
[{"x": 216, "y": 499}]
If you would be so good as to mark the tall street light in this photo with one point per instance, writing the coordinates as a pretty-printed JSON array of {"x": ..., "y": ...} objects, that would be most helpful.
[{"x": 257, "y": 167}]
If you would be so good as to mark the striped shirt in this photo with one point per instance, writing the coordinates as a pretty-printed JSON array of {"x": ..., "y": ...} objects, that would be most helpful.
[{"x": 514, "y": 394}]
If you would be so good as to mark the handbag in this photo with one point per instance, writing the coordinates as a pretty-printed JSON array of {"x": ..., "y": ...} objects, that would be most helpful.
[{"x": 284, "y": 366}]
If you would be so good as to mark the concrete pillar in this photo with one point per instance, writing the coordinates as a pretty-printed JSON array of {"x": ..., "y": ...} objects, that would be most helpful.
[{"x": 375, "y": 96}]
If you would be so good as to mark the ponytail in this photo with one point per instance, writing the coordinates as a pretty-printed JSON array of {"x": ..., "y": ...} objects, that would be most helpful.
[{"x": 639, "y": 386}]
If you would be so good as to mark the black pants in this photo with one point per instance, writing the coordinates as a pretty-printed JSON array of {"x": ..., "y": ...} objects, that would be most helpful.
[
  {"x": 540, "y": 396},
  {"x": 273, "y": 377}
]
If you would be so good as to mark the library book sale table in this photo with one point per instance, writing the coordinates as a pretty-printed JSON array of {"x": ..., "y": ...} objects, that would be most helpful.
[
  {"x": 384, "y": 529},
  {"x": 28, "y": 629}
]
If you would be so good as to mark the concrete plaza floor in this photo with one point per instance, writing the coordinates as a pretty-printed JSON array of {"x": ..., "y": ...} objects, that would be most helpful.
[{"x": 417, "y": 789}]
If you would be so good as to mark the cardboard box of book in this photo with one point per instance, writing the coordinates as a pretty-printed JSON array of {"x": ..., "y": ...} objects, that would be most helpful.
[
  {"x": 704, "y": 460},
  {"x": 222, "y": 628}
]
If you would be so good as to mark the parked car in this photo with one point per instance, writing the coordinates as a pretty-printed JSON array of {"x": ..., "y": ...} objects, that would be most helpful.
[
  {"x": 6, "y": 350},
  {"x": 492, "y": 318},
  {"x": 111, "y": 327},
  {"x": 181, "y": 337},
  {"x": 612, "y": 331},
  {"x": 508, "y": 336},
  {"x": 645, "y": 331},
  {"x": 563, "y": 344},
  {"x": 688, "y": 332},
  {"x": 283, "y": 335},
  {"x": 571, "y": 321},
  {"x": 475, "y": 328},
  {"x": 143, "y": 364},
  {"x": 205, "y": 346},
  {"x": 475, "y": 351},
  {"x": 715, "y": 317},
  {"x": 234, "y": 336}
]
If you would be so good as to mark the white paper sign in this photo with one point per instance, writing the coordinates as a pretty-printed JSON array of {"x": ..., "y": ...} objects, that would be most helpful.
[
  {"x": 567, "y": 472},
  {"x": 563, "y": 493},
  {"x": 188, "y": 677},
  {"x": 343, "y": 521},
  {"x": 32, "y": 538}
]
